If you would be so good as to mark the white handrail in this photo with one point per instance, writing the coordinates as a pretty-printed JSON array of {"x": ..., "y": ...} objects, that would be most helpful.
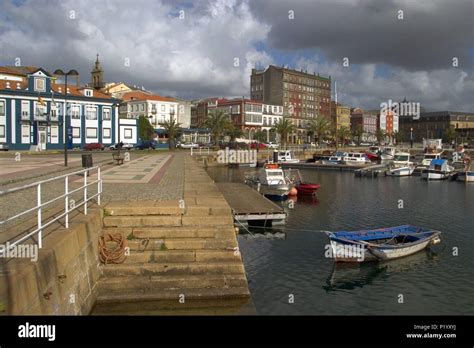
[{"x": 67, "y": 209}]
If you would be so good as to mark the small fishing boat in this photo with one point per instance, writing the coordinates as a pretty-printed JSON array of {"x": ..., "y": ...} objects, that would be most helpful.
[
  {"x": 381, "y": 244},
  {"x": 337, "y": 158},
  {"x": 293, "y": 176},
  {"x": 467, "y": 175},
  {"x": 388, "y": 153},
  {"x": 355, "y": 158},
  {"x": 428, "y": 157},
  {"x": 286, "y": 157},
  {"x": 270, "y": 181},
  {"x": 401, "y": 165},
  {"x": 373, "y": 154},
  {"x": 438, "y": 170}
]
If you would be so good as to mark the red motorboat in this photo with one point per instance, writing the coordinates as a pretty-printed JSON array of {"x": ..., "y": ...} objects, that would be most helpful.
[
  {"x": 372, "y": 156},
  {"x": 307, "y": 188}
]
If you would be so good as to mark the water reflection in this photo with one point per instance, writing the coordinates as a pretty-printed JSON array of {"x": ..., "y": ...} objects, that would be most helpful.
[{"x": 350, "y": 276}]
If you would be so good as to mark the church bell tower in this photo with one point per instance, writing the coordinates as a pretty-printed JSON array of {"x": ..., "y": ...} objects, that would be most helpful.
[{"x": 97, "y": 75}]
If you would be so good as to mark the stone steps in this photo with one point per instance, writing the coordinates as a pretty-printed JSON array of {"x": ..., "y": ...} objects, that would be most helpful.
[
  {"x": 177, "y": 256},
  {"x": 173, "y": 251},
  {"x": 118, "y": 284},
  {"x": 176, "y": 268},
  {"x": 173, "y": 294},
  {"x": 162, "y": 232}
]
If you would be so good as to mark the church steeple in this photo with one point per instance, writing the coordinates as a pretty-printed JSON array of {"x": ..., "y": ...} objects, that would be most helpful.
[{"x": 97, "y": 75}]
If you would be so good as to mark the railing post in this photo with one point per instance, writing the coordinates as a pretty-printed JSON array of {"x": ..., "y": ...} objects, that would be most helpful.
[
  {"x": 200, "y": 150},
  {"x": 66, "y": 201},
  {"x": 191, "y": 151},
  {"x": 85, "y": 192},
  {"x": 99, "y": 185},
  {"x": 40, "y": 234},
  {"x": 208, "y": 150}
]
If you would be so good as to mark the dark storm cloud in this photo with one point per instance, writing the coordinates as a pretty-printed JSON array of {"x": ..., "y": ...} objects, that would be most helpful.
[{"x": 430, "y": 35}]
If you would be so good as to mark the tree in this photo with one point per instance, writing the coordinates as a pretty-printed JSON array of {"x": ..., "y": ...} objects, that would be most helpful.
[
  {"x": 398, "y": 136},
  {"x": 260, "y": 136},
  {"x": 380, "y": 135},
  {"x": 171, "y": 128},
  {"x": 217, "y": 121},
  {"x": 284, "y": 127},
  {"x": 342, "y": 134},
  {"x": 319, "y": 128},
  {"x": 233, "y": 133},
  {"x": 449, "y": 135},
  {"x": 357, "y": 132},
  {"x": 145, "y": 129}
]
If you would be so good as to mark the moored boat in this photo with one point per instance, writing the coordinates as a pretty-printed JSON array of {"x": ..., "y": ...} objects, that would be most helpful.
[
  {"x": 355, "y": 158},
  {"x": 337, "y": 158},
  {"x": 401, "y": 165},
  {"x": 388, "y": 153},
  {"x": 293, "y": 176},
  {"x": 380, "y": 244},
  {"x": 270, "y": 181},
  {"x": 438, "y": 170}
]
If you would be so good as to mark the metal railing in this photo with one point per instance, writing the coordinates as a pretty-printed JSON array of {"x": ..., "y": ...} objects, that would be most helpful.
[
  {"x": 200, "y": 151},
  {"x": 66, "y": 196}
]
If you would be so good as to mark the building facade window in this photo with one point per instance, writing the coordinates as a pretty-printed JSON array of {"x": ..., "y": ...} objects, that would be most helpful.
[
  {"x": 106, "y": 133},
  {"x": 75, "y": 111},
  {"x": 2, "y": 131},
  {"x": 91, "y": 113},
  {"x": 106, "y": 114},
  {"x": 25, "y": 133},
  {"x": 91, "y": 132},
  {"x": 127, "y": 133},
  {"x": 76, "y": 132},
  {"x": 25, "y": 109},
  {"x": 40, "y": 84},
  {"x": 2, "y": 108}
]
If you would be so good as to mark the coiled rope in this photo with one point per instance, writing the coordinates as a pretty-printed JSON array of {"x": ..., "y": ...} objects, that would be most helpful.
[{"x": 112, "y": 248}]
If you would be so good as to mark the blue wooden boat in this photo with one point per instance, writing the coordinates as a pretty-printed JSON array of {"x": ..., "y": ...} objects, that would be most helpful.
[{"x": 381, "y": 244}]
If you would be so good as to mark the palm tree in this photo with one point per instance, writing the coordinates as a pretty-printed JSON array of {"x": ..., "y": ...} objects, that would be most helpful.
[
  {"x": 398, "y": 136},
  {"x": 234, "y": 133},
  {"x": 357, "y": 132},
  {"x": 217, "y": 121},
  {"x": 319, "y": 128},
  {"x": 171, "y": 128},
  {"x": 342, "y": 134},
  {"x": 284, "y": 127},
  {"x": 380, "y": 135}
]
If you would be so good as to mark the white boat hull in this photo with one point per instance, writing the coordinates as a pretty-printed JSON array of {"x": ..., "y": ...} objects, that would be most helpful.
[
  {"x": 403, "y": 171},
  {"x": 374, "y": 255},
  {"x": 465, "y": 177},
  {"x": 428, "y": 174}
]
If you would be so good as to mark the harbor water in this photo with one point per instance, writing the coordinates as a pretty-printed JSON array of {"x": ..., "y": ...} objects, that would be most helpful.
[{"x": 289, "y": 273}]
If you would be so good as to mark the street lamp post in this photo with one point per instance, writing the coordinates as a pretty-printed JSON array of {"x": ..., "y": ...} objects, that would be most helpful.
[
  {"x": 59, "y": 72},
  {"x": 411, "y": 137}
]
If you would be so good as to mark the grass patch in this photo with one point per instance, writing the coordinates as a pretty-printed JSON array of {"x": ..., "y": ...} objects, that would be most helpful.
[
  {"x": 107, "y": 213},
  {"x": 131, "y": 236},
  {"x": 163, "y": 247}
]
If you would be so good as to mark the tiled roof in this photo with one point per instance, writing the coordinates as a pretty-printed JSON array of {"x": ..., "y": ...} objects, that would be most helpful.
[
  {"x": 142, "y": 96},
  {"x": 18, "y": 70},
  {"x": 74, "y": 90}
]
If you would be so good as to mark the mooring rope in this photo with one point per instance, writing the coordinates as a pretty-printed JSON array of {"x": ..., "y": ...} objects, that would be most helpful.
[{"x": 112, "y": 248}]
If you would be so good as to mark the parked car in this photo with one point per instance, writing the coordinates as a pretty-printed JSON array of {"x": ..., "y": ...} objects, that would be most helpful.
[
  {"x": 261, "y": 146},
  {"x": 94, "y": 146},
  {"x": 352, "y": 144},
  {"x": 3, "y": 147},
  {"x": 272, "y": 145},
  {"x": 125, "y": 146},
  {"x": 145, "y": 144},
  {"x": 189, "y": 145}
]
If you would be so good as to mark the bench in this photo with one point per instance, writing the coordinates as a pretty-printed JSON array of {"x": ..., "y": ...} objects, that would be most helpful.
[{"x": 118, "y": 157}]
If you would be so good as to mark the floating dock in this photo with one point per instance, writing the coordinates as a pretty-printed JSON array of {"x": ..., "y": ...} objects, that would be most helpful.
[
  {"x": 314, "y": 165},
  {"x": 250, "y": 207}
]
